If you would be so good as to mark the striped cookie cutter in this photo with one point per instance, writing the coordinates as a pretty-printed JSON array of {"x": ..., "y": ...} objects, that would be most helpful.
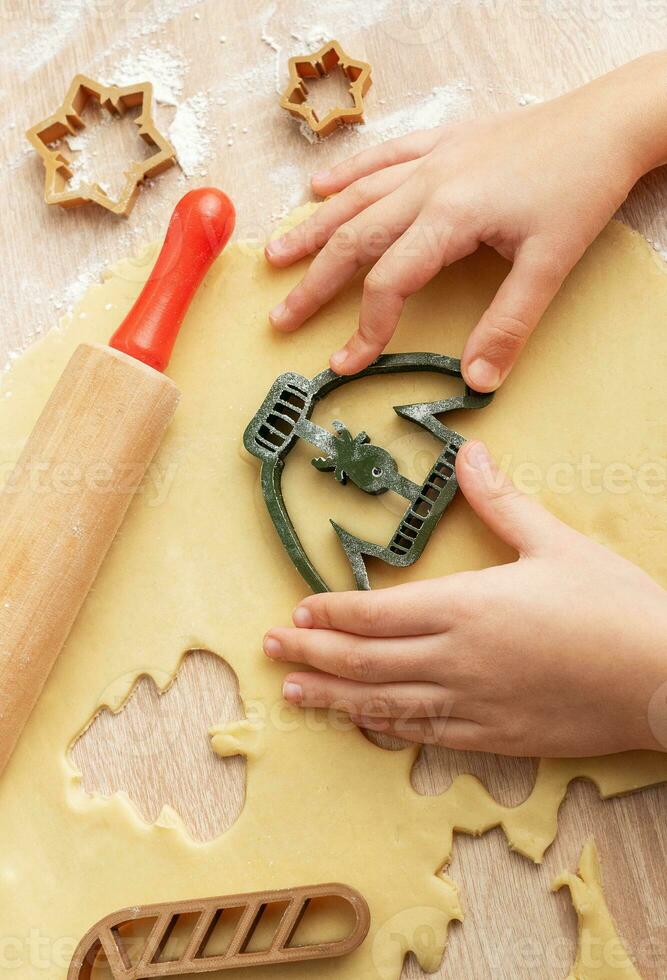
[{"x": 106, "y": 940}]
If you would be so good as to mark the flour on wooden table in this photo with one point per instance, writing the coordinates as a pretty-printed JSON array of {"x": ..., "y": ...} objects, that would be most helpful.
[
  {"x": 444, "y": 103},
  {"x": 164, "y": 67},
  {"x": 527, "y": 99},
  {"x": 189, "y": 131},
  {"x": 28, "y": 49},
  {"x": 190, "y": 135},
  {"x": 53, "y": 24}
]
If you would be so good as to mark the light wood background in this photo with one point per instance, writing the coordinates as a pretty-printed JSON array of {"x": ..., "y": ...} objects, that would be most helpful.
[{"x": 489, "y": 55}]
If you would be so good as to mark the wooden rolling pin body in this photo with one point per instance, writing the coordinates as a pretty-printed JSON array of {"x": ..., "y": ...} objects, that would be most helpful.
[
  {"x": 63, "y": 504},
  {"x": 61, "y": 508}
]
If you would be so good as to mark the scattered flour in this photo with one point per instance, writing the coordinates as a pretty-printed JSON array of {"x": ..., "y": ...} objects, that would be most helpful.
[
  {"x": 354, "y": 15},
  {"x": 312, "y": 39},
  {"x": 164, "y": 67},
  {"x": 445, "y": 103},
  {"x": 270, "y": 42},
  {"x": 527, "y": 99},
  {"x": 657, "y": 247},
  {"x": 191, "y": 136},
  {"x": 91, "y": 273},
  {"x": 29, "y": 49},
  {"x": 292, "y": 182},
  {"x": 82, "y": 163},
  {"x": 52, "y": 24},
  {"x": 307, "y": 133}
]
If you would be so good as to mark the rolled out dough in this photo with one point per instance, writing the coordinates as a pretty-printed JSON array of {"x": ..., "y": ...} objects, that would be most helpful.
[{"x": 197, "y": 565}]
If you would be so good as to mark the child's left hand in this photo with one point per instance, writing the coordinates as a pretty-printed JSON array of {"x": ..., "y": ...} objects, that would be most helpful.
[{"x": 558, "y": 654}]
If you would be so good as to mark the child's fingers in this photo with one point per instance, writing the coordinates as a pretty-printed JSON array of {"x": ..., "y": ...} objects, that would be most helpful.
[
  {"x": 372, "y": 660},
  {"x": 316, "y": 231},
  {"x": 397, "y": 700},
  {"x": 452, "y": 733},
  {"x": 353, "y": 245},
  {"x": 517, "y": 519},
  {"x": 496, "y": 342},
  {"x": 414, "y": 259},
  {"x": 426, "y": 607},
  {"x": 387, "y": 154}
]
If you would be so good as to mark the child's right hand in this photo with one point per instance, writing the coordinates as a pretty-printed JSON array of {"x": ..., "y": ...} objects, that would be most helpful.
[
  {"x": 560, "y": 654},
  {"x": 537, "y": 184}
]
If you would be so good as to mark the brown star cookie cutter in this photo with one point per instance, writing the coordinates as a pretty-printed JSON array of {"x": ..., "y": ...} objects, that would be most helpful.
[
  {"x": 137, "y": 958},
  {"x": 67, "y": 121},
  {"x": 318, "y": 65}
]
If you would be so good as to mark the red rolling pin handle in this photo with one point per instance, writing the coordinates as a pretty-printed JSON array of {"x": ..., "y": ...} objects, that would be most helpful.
[{"x": 200, "y": 227}]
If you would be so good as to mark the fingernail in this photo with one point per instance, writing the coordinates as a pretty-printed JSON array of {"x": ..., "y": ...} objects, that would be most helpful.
[
  {"x": 322, "y": 175},
  {"x": 275, "y": 247},
  {"x": 477, "y": 455},
  {"x": 302, "y": 617},
  {"x": 292, "y": 692},
  {"x": 338, "y": 359},
  {"x": 272, "y": 646},
  {"x": 483, "y": 375},
  {"x": 279, "y": 314}
]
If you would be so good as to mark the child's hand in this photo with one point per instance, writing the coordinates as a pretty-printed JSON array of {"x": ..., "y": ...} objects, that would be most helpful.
[
  {"x": 537, "y": 184},
  {"x": 558, "y": 654}
]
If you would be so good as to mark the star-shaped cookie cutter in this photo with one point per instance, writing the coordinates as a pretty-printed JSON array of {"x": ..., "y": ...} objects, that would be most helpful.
[
  {"x": 68, "y": 120},
  {"x": 319, "y": 65}
]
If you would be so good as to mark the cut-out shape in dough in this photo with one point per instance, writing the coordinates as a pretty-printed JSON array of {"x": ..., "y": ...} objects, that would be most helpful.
[
  {"x": 146, "y": 749},
  {"x": 509, "y": 780},
  {"x": 601, "y": 954}
]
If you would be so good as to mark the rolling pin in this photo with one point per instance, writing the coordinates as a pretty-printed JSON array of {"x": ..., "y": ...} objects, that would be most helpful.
[{"x": 63, "y": 504}]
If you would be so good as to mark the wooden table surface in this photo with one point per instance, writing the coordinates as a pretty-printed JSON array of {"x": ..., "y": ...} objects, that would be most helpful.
[{"x": 431, "y": 61}]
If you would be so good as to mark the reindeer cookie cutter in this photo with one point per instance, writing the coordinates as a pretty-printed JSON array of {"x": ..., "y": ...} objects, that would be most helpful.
[
  {"x": 68, "y": 121},
  {"x": 285, "y": 417},
  {"x": 144, "y": 960},
  {"x": 319, "y": 65}
]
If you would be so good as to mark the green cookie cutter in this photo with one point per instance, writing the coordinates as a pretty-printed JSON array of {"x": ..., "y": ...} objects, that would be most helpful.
[{"x": 285, "y": 417}]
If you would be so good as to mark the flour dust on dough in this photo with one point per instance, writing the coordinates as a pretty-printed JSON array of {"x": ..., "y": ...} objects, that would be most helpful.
[{"x": 197, "y": 565}]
